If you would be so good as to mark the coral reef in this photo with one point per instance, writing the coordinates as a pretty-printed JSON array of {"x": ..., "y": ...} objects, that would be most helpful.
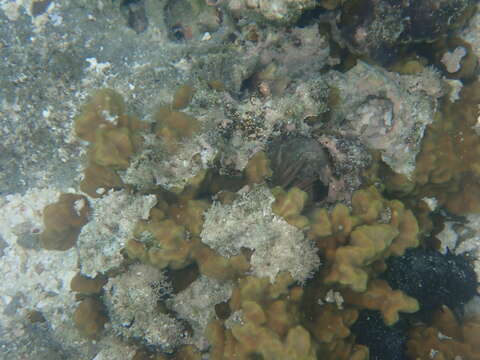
[
  {"x": 262, "y": 238},
  {"x": 458, "y": 60},
  {"x": 447, "y": 166},
  {"x": 174, "y": 126},
  {"x": 373, "y": 230},
  {"x": 289, "y": 205},
  {"x": 379, "y": 296},
  {"x": 367, "y": 243},
  {"x": 278, "y": 11},
  {"x": 196, "y": 304},
  {"x": 258, "y": 168},
  {"x": 43, "y": 288},
  {"x": 98, "y": 180},
  {"x": 163, "y": 243},
  {"x": 177, "y": 133},
  {"x": 375, "y": 28},
  {"x": 461, "y": 237},
  {"x": 191, "y": 20},
  {"x": 85, "y": 285},
  {"x": 252, "y": 209},
  {"x": 104, "y": 123},
  {"x": 470, "y": 33}
]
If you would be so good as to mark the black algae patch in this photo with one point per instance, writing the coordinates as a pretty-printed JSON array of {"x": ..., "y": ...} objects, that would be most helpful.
[
  {"x": 434, "y": 279},
  {"x": 384, "y": 342}
]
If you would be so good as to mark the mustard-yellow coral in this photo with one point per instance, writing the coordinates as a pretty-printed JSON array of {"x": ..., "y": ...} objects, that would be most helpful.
[
  {"x": 112, "y": 148},
  {"x": 367, "y": 244},
  {"x": 182, "y": 97},
  {"x": 174, "y": 126},
  {"x": 380, "y": 296},
  {"x": 353, "y": 240},
  {"x": 270, "y": 325},
  {"x": 106, "y": 109},
  {"x": 289, "y": 204},
  {"x": 85, "y": 285},
  {"x": 98, "y": 180},
  {"x": 169, "y": 246}
]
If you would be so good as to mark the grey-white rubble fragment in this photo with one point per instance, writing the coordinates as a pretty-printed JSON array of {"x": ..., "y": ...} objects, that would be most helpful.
[
  {"x": 386, "y": 111},
  {"x": 112, "y": 224}
]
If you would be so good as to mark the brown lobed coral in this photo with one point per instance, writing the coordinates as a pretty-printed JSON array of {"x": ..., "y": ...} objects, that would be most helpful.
[
  {"x": 446, "y": 338},
  {"x": 351, "y": 241},
  {"x": 63, "y": 222},
  {"x": 267, "y": 323}
]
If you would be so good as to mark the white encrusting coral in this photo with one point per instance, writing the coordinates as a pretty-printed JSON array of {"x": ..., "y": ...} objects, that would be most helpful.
[
  {"x": 249, "y": 222},
  {"x": 132, "y": 302},
  {"x": 196, "y": 304}
]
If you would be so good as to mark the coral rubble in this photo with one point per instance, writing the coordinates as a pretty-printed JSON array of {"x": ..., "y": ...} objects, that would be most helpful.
[{"x": 384, "y": 109}]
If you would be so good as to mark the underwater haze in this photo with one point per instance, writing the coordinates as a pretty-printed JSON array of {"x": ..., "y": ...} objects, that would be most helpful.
[{"x": 239, "y": 180}]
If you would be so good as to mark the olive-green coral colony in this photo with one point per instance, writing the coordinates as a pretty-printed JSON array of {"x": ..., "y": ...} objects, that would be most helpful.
[{"x": 274, "y": 311}]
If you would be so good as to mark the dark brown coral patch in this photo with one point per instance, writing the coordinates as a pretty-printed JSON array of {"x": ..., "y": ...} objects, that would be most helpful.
[{"x": 300, "y": 161}]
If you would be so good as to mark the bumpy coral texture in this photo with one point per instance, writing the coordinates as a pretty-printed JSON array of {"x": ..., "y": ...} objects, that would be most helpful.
[
  {"x": 90, "y": 318},
  {"x": 248, "y": 247},
  {"x": 380, "y": 296},
  {"x": 353, "y": 240},
  {"x": 179, "y": 151},
  {"x": 266, "y": 322},
  {"x": 196, "y": 304},
  {"x": 251, "y": 221},
  {"x": 132, "y": 302}
]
